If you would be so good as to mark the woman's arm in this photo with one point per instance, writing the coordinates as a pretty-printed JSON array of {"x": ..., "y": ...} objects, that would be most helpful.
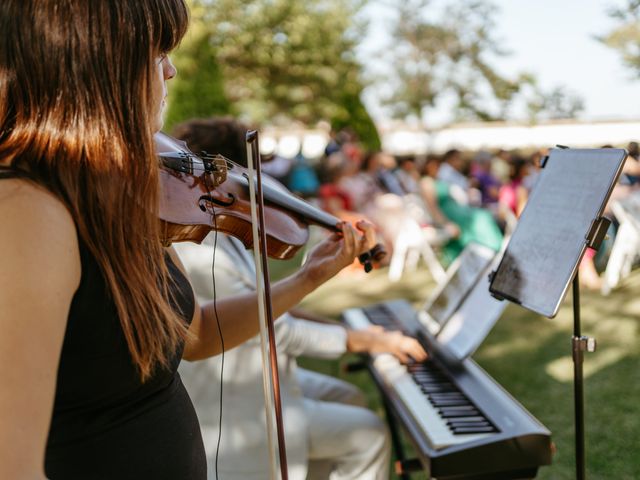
[
  {"x": 238, "y": 314},
  {"x": 39, "y": 273}
]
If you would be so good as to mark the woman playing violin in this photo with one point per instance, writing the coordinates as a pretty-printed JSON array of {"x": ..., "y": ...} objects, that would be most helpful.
[{"x": 95, "y": 314}]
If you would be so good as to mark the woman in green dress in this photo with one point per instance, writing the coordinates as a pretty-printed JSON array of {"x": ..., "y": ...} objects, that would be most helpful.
[{"x": 475, "y": 224}]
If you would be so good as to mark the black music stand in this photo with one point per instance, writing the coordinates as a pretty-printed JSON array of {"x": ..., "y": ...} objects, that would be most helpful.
[{"x": 563, "y": 217}]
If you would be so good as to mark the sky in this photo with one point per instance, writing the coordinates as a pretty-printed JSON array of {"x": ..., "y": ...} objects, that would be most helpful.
[{"x": 553, "y": 39}]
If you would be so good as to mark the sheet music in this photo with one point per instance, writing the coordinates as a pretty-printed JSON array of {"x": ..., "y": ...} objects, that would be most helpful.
[
  {"x": 472, "y": 322},
  {"x": 549, "y": 240},
  {"x": 461, "y": 277}
]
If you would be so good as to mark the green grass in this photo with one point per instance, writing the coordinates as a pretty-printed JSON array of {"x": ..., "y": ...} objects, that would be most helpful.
[{"x": 530, "y": 356}]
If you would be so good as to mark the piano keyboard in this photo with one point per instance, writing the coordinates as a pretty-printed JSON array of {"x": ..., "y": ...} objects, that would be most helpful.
[{"x": 462, "y": 423}]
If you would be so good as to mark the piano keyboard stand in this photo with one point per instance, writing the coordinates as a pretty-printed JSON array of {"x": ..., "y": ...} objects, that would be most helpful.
[
  {"x": 404, "y": 467},
  {"x": 396, "y": 442}
]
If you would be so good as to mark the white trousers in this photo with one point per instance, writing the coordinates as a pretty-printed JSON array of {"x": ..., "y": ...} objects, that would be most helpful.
[{"x": 346, "y": 440}]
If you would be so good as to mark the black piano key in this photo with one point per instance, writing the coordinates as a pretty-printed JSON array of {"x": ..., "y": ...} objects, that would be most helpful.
[
  {"x": 380, "y": 315},
  {"x": 427, "y": 381},
  {"x": 430, "y": 390},
  {"x": 466, "y": 430},
  {"x": 423, "y": 375},
  {"x": 466, "y": 420},
  {"x": 454, "y": 414},
  {"x": 434, "y": 381},
  {"x": 463, "y": 408},
  {"x": 447, "y": 396},
  {"x": 419, "y": 369},
  {"x": 453, "y": 424},
  {"x": 431, "y": 381},
  {"x": 448, "y": 403}
]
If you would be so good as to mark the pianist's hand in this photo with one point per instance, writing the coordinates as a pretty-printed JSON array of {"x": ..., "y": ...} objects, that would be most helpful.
[{"x": 378, "y": 340}]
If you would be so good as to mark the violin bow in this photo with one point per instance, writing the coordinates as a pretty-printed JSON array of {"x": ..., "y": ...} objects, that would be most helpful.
[{"x": 265, "y": 311}]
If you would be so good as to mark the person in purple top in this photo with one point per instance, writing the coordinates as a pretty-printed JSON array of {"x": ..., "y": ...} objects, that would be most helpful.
[{"x": 484, "y": 180}]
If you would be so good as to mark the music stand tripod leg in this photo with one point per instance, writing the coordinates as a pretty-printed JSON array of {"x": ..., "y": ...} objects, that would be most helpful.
[{"x": 580, "y": 344}]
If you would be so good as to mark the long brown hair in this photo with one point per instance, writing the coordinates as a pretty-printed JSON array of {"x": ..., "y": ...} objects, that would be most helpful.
[{"x": 75, "y": 106}]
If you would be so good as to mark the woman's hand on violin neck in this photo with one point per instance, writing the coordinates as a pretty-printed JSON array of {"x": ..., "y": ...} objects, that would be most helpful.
[{"x": 338, "y": 251}]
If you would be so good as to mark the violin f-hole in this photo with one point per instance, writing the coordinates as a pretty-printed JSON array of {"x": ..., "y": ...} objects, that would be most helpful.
[{"x": 202, "y": 201}]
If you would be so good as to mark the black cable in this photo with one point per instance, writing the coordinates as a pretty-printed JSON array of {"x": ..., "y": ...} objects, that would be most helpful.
[{"x": 215, "y": 311}]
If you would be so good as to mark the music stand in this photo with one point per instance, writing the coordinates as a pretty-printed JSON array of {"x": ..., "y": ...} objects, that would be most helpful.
[{"x": 563, "y": 217}]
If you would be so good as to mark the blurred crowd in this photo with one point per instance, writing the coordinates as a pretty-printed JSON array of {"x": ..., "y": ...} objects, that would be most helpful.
[{"x": 452, "y": 199}]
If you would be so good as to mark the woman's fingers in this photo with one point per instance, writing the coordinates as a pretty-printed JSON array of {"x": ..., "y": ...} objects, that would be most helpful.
[
  {"x": 368, "y": 239},
  {"x": 350, "y": 239}
]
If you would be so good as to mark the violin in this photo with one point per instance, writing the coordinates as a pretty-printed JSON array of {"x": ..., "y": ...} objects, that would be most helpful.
[{"x": 200, "y": 193}]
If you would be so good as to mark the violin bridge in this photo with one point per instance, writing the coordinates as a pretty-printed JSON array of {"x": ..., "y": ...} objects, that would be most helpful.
[{"x": 216, "y": 166}]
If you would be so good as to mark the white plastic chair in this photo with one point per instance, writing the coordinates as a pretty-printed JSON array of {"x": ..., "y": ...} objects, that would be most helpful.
[
  {"x": 626, "y": 246},
  {"x": 412, "y": 243}
]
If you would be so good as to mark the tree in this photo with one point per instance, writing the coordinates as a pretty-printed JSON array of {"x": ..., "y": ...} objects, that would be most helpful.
[
  {"x": 557, "y": 103},
  {"x": 198, "y": 90},
  {"x": 445, "y": 50},
  {"x": 284, "y": 60},
  {"x": 625, "y": 37},
  {"x": 439, "y": 51}
]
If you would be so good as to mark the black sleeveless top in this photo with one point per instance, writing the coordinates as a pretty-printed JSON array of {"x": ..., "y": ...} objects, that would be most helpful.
[{"x": 106, "y": 423}]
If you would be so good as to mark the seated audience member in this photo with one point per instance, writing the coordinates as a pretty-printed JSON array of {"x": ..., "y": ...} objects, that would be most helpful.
[
  {"x": 276, "y": 166},
  {"x": 535, "y": 159},
  {"x": 500, "y": 165},
  {"x": 513, "y": 194},
  {"x": 363, "y": 185},
  {"x": 332, "y": 196},
  {"x": 386, "y": 176},
  {"x": 475, "y": 224},
  {"x": 631, "y": 169},
  {"x": 408, "y": 174},
  {"x": 451, "y": 173},
  {"x": 329, "y": 433},
  {"x": 485, "y": 181}
]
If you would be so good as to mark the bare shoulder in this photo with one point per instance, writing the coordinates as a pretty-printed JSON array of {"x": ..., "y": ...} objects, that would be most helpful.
[
  {"x": 39, "y": 274},
  {"x": 38, "y": 231}
]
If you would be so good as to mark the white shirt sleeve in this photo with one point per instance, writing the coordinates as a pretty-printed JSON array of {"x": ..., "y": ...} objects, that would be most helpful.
[
  {"x": 234, "y": 274},
  {"x": 298, "y": 337}
]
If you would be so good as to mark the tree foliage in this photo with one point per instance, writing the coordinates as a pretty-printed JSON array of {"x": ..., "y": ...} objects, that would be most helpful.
[
  {"x": 447, "y": 50},
  {"x": 625, "y": 37},
  {"x": 198, "y": 90},
  {"x": 281, "y": 60},
  {"x": 557, "y": 103}
]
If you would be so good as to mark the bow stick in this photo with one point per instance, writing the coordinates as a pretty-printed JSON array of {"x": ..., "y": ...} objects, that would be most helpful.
[{"x": 265, "y": 311}]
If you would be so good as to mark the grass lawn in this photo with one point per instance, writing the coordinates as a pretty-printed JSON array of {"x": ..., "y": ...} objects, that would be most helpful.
[{"x": 530, "y": 356}]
